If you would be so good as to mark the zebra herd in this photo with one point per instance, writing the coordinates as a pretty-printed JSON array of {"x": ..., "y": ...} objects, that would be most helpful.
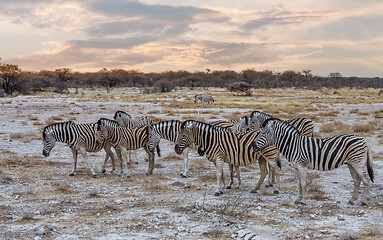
[{"x": 259, "y": 137}]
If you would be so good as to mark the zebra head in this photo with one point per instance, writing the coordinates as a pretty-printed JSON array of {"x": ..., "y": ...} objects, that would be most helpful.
[
  {"x": 49, "y": 140},
  {"x": 257, "y": 119},
  {"x": 266, "y": 137},
  {"x": 122, "y": 118},
  {"x": 185, "y": 138},
  {"x": 153, "y": 138},
  {"x": 242, "y": 125},
  {"x": 101, "y": 131}
]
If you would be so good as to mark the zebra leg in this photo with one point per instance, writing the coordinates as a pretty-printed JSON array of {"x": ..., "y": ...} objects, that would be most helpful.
[
  {"x": 302, "y": 178},
  {"x": 110, "y": 154},
  {"x": 220, "y": 179},
  {"x": 231, "y": 176},
  {"x": 263, "y": 169},
  {"x": 74, "y": 152},
  {"x": 123, "y": 160},
  {"x": 363, "y": 175},
  {"x": 238, "y": 176},
  {"x": 83, "y": 152},
  {"x": 119, "y": 155},
  {"x": 356, "y": 179},
  {"x": 151, "y": 160},
  {"x": 270, "y": 176},
  {"x": 185, "y": 155}
]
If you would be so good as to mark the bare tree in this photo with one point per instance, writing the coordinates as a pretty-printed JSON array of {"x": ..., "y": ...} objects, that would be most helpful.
[{"x": 9, "y": 74}]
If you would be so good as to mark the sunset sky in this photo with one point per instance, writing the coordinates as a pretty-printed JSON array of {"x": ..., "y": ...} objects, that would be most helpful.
[{"x": 344, "y": 36}]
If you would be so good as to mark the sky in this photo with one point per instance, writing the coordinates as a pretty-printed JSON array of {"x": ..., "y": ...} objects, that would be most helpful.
[{"x": 323, "y": 36}]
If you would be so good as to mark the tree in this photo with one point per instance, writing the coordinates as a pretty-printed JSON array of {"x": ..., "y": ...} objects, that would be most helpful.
[
  {"x": 64, "y": 75},
  {"x": 9, "y": 74},
  {"x": 243, "y": 87},
  {"x": 335, "y": 75},
  {"x": 307, "y": 73}
]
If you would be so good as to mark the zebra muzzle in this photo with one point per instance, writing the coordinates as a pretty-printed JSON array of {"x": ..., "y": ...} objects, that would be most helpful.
[
  {"x": 178, "y": 150},
  {"x": 45, "y": 153}
]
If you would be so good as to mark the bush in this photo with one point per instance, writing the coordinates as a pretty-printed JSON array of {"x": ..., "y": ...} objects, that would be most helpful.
[
  {"x": 165, "y": 85},
  {"x": 241, "y": 87}
]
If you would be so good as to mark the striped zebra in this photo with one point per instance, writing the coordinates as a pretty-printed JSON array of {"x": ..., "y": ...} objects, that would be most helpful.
[
  {"x": 124, "y": 139},
  {"x": 320, "y": 154},
  {"x": 79, "y": 137},
  {"x": 236, "y": 127},
  {"x": 168, "y": 130},
  {"x": 204, "y": 98},
  {"x": 222, "y": 145},
  {"x": 125, "y": 120},
  {"x": 304, "y": 125}
]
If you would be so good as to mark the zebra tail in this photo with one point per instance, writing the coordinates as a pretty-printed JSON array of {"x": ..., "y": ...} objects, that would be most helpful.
[
  {"x": 369, "y": 166},
  {"x": 158, "y": 151},
  {"x": 278, "y": 160}
]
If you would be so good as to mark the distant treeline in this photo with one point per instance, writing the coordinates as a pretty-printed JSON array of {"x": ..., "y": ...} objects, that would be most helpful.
[{"x": 13, "y": 79}]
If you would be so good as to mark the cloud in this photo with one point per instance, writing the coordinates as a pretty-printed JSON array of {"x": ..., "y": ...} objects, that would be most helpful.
[
  {"x": 160, "y": 13},
  {"x": 353, "y": 28}
]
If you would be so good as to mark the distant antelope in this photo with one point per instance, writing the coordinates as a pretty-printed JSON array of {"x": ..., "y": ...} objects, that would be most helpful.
[
  {"x": 204, "y": 98},
  {"x": 380, "y": 92}
]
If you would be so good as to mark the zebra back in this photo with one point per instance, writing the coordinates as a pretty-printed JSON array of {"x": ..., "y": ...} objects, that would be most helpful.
[
  {"x": 74, "y": 135},
  {"x": 168, "y": 130},
  {"x": 235, "y": 149},
  {"x": 304, "y": 125},
  {"x": 130, "y": 138}
]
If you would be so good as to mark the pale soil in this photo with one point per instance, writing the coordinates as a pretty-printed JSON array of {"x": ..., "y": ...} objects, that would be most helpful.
[{"x": 39, "y": 200}]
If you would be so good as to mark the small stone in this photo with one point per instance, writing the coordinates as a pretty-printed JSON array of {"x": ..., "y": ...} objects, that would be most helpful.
[
  {"x": 40, "y": 231},
  {"x": 180, "y": 229},
  {"x": 341, "y": 217},
  {"x": 323, "y": 231}
]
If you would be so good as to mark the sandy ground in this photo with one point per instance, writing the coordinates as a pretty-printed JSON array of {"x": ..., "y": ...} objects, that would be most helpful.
[{"x": 38, "y": 200}]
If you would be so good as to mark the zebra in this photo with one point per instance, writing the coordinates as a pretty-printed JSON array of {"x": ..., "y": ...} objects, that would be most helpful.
[
  {"x": 320, "y": 154},
  {"x": 168, "y": 130},
  {"x": 304, "y": 125},
  {"x": 222, "y": 145},
  {"x": 125, "y": 120},
  {"x": 236, "y": 127},
  {"x": 204, "y": 98},
  {"x": 79, "y": 137},
  {"x": 124, "y": 139}
]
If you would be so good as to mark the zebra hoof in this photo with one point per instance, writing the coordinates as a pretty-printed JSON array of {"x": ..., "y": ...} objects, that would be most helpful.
[
  {"x": 363, "y": 204},
  {"x": 145, "y": 160},
  {"x": 71, "y": 174},
  {"x": 253, "y": 191},
  {"x": 183, "y": 176},
  {"x": 94, "y": 176},
  {"x": 137, "y": 162},
  {"x": 103, "y": 171},
  {"x": 269, "y": 185},
  {"x": 350, "y": 203},
  {"x": 276, "y": 191},
  {"x": 217, "y": 194},
  {"x": 228, "y": 187}
]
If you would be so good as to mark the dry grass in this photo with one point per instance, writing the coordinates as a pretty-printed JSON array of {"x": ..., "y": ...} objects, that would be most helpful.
[
  {"x": 364, "y": 128},
  {"x": 16, "y": 136},
  {"x": 172, "y": 157}
]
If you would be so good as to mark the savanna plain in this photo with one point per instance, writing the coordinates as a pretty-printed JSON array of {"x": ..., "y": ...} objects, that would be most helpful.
[{"x": 39, "y": 200}]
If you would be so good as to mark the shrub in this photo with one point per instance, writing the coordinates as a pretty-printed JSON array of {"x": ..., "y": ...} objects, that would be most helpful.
[{"x": 240, "y": 87}]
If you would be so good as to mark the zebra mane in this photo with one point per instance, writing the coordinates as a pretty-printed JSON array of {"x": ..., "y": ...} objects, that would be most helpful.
[
  {"x": 119, "y": 113},
  {"x": 260, "y": 112},
  {"x": 57, "y": 125},
  {"x": 209, "y": 126},
  {"x": 246, "y": 120},
  {"x": 282, "y": 122}
]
